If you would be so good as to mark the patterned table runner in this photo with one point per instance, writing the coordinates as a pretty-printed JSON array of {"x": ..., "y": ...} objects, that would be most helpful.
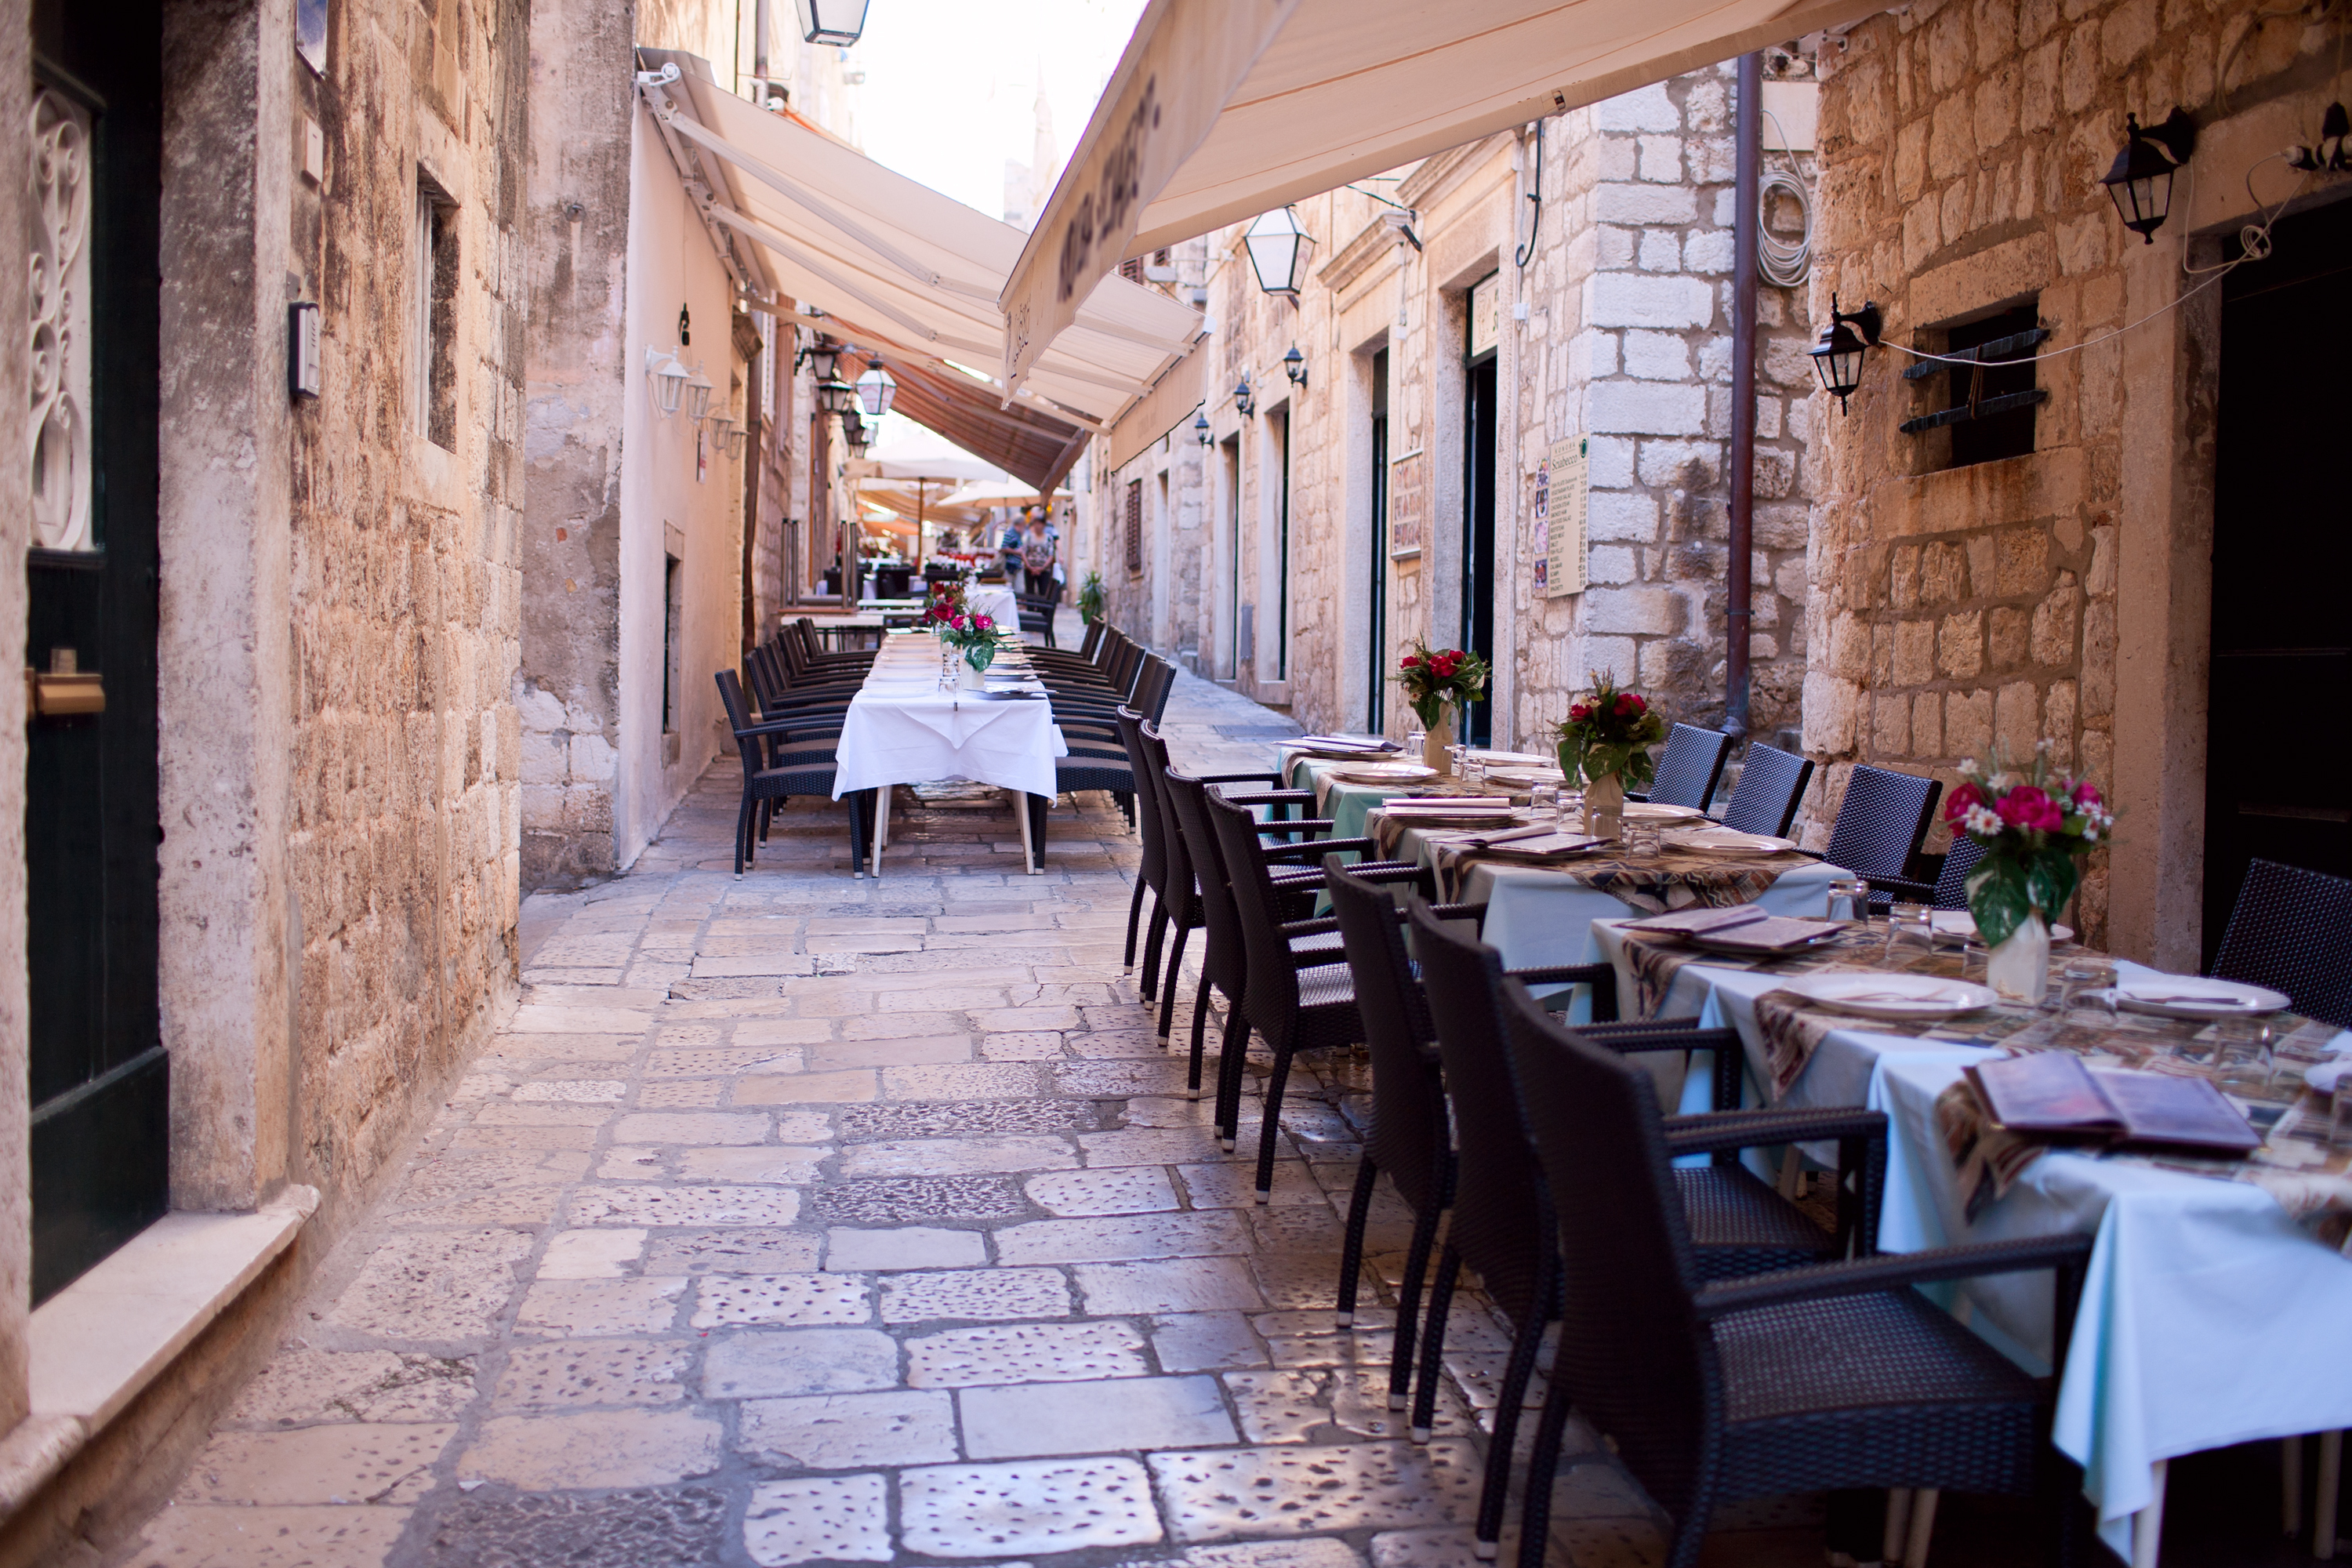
[{"x": 1672, "y": 879}]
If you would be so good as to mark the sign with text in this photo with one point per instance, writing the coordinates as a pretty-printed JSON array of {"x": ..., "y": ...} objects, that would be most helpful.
[
  {"x": 1563, "y": 507},
  {"x": 1184, "y": 61}
]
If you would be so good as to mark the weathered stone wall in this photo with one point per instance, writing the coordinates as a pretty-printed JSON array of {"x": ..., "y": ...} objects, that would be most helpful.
[{"x": 2059, "y": 595}]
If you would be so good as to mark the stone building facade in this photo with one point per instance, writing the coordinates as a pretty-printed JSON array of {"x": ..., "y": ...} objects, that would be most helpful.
[
  {"x": 335, "y": 751},
  {"x": 2064, "y": 592},
  {"x": 1610, "y": 304}
]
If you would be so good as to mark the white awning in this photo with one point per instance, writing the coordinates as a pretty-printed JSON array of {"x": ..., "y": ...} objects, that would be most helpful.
[
  {"x": 904, "y": 268},
  {"x": 1220, "y": 110}
]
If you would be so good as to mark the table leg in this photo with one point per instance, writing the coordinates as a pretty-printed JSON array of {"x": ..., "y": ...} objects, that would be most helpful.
[
  {"x": 2147, "y": 1524},
  {"x": 881, "y": 824},
  {"x": 1923, "y": 1523},
  {"x": 2323, "y": 1498},
  {"x": 1020, "y": 799},
  {"x": 2289, "y": 1487},
  {"x": 1898, "y": 1524}
]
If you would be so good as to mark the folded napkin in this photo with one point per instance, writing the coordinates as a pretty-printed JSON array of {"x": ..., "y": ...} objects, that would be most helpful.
[
  {"x": 1682, "y": 923},
  {"x": 1449, "y": 803},
  {"x": 1345, "y": 743}
]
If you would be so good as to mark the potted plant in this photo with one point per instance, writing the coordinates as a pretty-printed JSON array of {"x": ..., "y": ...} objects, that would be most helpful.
[
  {"x": 973, "y": 637},
  {"x": 1605, "y": 741},
  {"x": 2036, "y": 828},
  {"x": 1090, "y": 598},
  {"x": 1433, "y": 680}
]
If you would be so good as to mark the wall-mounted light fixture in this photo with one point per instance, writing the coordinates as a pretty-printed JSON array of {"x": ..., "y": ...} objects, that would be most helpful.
[
  {"x": 1242, "y": 402},
  {"x": 1294, "y": 365},
  {"x": 1201, "y": 427},
  {"x": 305, "y": 375},
  {"x": 669, "y": 379},
  {"x": 853, "y": 430},
  {"x": 736, "y": 436},
  {"x": 835, "y": 395},
  {"x": 875, "y": 389},
  {"x": 1277, "y": 250},
  {"x": 832, "y": 21},
  {"x": 823, "y": 357},
  {"x": 2140, "y": 180},
  {"x": 1837, "y": 358},
  {"x": 697, "y": 395}
]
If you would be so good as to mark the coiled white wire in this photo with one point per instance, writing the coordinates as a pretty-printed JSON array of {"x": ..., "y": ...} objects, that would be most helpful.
[{"x": 1783, "y": 263}]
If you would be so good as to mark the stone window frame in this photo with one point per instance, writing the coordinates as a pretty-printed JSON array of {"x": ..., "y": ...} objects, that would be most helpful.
[
  {"x": 1931, "y": 450},
  {"x": 433, "y": 362}
]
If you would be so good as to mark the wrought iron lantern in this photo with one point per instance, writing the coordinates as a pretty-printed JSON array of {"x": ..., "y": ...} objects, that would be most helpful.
[
  {"x": 875, "y": 389},
  {"x": 1837, "y": 358},
  {"x": 854, "y": 431},
  {"x": 832, "y": 21},
  {"x": 1243, "y": 405},
  {"x": 823, "y": 357},
  {"x": 1201, "y": 427},
  {"x": 835, "y": 395},
  {"x": 669, "y": 379},
  {"x": 2140, "y": 180},
  {"x": 697, "y": 395},
  {"x": 1294, "y": 365},
  {"x": 1277, "y": 251}
]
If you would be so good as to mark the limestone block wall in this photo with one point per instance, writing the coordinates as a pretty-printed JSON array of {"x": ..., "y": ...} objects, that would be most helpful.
[{"x": 2059, "y": 595}]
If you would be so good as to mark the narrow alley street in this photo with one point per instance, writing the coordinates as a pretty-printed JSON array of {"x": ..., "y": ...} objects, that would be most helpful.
[{"x": 804, "y": 1219}]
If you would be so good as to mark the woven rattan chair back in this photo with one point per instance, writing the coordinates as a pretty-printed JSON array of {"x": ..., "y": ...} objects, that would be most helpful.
[
  {"x": 2291, "y": 930},
  {"x": 1631, "y": 1354},
  {"x": 1224, "y": 959},
  {"x": 1952, "y": 881},
  {"x": 739, "y": 719},
  {"x": 1771, "y": 786},
  {"x": 1409, "y": 1138},
  {"x": 1178, "y": 873},
  {"x": 1271, "y": 995},
  {"x": 1093, "y": 639},
  {"x": 1881, "y": 821},
  {"x": 1690, "y": 766},
  {"x": 1502, "y": 1208}
]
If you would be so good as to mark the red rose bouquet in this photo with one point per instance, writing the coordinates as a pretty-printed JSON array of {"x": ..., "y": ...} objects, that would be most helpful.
[
  {"x": 2036, "y": 827},
  {"x": 1609, "y": 734},
  {"x": 1432, "y": 679},
  {"x": 975, "y": 637},
  {"x": 947, "y": 603}
]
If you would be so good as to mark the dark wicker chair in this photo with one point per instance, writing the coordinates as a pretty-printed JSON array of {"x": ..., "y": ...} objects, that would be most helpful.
[
  {"x": 1834, "y": 1375},
  {"x": 1502, "y": 1223},
  {"x": 1951, "y": 891},
  {"x": 799, "y": 766},
  {"x": 1690, "y": 767},
  {"x": 1771, "y": 786},
  {"x": 1224, "y": 955},
  {"x": 1880, "y": 826},
  {"x": 2291, "y": 930}
]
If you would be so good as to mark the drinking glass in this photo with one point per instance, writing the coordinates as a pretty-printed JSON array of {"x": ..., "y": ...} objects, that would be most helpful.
[
  {"x": 1412, "y": 743},
  {"x": 1853, "y": 892},
  {"x": 1543, "y": 801},
  {"x": 1641, "y": 838},
  {"x": 2245, "y": 1061},
  {"x": 1910, "y": 931}
]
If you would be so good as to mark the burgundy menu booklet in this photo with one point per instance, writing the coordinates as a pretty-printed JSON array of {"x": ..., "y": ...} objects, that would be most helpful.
[{"x": 2054, "y": 1094}]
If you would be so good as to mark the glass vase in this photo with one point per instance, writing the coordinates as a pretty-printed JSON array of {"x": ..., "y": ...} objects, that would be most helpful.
[
  {"x": 1434, "y": 752},
  {"x": 2019, "y": 968}
]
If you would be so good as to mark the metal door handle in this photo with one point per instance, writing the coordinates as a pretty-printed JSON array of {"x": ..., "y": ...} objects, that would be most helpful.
[{"x": 63, "y": 695}]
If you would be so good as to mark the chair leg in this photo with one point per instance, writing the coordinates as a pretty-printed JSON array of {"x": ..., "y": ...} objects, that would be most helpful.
[
  {"x": 1230, "y": 1067},
  {"x": 1134, "y": 915},
  {"x": 1269, "y": 1129},
  {"x": 742, "y": 831},
  {"x": 1168, "y": 983},
  {"x": 1352, "y": 1247},
  {"x": 1495, "y": 1490},
  {"x": 1200, "y": 1037},
  {"x": 1432, "y": 1345},
  {"x": 1543, "y": 1463},
  {"x": 1407, "y": 1311},
  {"x": 1154, "y": 936},
  {"x": 860, "y": 804}
]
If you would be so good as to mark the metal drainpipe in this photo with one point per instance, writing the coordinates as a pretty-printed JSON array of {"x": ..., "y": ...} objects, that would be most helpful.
[{"x": 1737, "y": 613}]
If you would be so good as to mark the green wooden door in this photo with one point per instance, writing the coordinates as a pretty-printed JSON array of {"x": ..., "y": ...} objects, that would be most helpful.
[{"x": 99, "y": 1078}]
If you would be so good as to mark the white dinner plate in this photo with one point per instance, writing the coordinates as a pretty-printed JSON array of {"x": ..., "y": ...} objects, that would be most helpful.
[
  {"x": 1523, "y": 759},
  {"x": 1910, "y": 999},
  {"x": 1729, "y": 841},
  {"x": 2194, "y": 996},
  {"x": 1383, "y": 772},
  {"x": 1526, "y": 778},
  {"x": 1652, "y": 811},
  {"x": 1960, "y": 923}
]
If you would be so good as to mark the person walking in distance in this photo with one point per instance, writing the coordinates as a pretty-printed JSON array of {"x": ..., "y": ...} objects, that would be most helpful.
[{"x": 1037, "y": 557}]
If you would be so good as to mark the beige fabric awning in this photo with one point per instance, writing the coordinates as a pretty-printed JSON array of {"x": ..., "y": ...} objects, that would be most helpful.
[
  {"x": 1222, "y": 109},
  {"x": 906, "y": 269}
]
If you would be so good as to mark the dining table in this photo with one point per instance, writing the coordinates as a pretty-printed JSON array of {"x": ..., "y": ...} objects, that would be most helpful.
[
  {"x": 2218, "y": 1290},
  {"x": 913, "y": 720}
]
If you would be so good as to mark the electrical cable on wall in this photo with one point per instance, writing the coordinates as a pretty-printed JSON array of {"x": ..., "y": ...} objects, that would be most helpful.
[{"x": 1783, "y": 263}]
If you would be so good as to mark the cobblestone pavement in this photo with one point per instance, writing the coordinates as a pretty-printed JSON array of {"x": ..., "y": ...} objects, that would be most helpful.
[{"x": 806, "y": 1219}]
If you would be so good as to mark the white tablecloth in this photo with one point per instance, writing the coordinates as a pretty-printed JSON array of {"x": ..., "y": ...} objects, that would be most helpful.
[
  {"x": 997, "y": 604},
  {"x": 903, "y": 728},
  {"x": 2209, "y": 1315}
]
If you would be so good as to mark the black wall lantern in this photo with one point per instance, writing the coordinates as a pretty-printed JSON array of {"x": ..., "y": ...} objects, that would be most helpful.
[
  {"x": 1243, "y": 405},
  {"x": 2140, "y": 181},
  {"x": 836, "y": 397},
  {"x": 1837, "y": 358},
  {"x": 822, "y": 355},
  {"x": 1201, "y": 427},
  {"x": 853, "y": 430},
  {"x": 1294, "y": 365}
]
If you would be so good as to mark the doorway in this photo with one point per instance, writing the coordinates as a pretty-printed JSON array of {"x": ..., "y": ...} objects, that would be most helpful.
[
  {"x": 1376, "y": 587},
  {"x": 1229, "y": 468},
  {"x": 2278, "y": 768},
  {"x": 1277, "y": 436},
  {"x": 100, "y": 1079},
  {"x": 1478, "y": 536}
]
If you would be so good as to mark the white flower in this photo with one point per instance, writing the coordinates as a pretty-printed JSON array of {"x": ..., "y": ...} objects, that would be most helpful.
[
  {"x": 2044, "y": 744},
  {"x": 1967, "y": 767},
  {"x": 2091, "y": 835},
  {"x": 1982, "y": 821}
]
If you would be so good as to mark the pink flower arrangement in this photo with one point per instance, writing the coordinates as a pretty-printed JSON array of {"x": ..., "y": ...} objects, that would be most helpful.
[{"x": 2036, "y": 825}]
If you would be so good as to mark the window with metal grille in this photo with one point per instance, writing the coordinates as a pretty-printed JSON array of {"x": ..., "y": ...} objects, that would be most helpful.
[
  {"x": 1981, "y": 410},
  {"x": 1134, "y": 526},
  {"x": 1132, "y": 270}
]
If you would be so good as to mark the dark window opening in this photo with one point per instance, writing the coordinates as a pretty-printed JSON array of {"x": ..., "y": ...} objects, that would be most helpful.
[
  {"x": 437, "y": 314},
  {"x": 1278, "y": 429},
  {"x": 1983, "y": 410},
  {"x": 1134, "y": 521},
  {"x": 673, "y": 627},
  {"x": 1376, "y": 631}
]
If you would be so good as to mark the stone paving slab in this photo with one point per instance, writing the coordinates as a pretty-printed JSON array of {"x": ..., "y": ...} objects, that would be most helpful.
[{"x": 805, "y": 1219}]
